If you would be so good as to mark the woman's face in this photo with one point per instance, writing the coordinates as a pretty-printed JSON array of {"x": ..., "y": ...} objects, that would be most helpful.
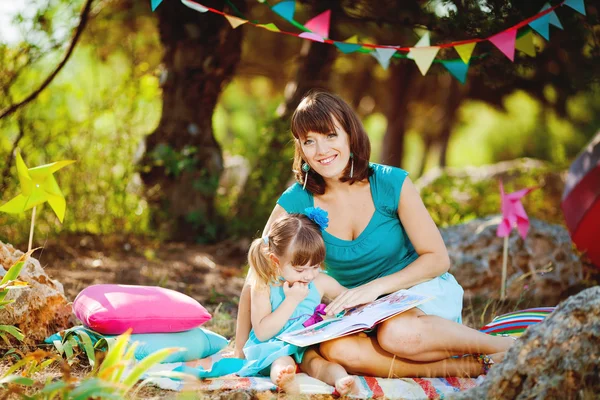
[{"x": 327, "y": 154}]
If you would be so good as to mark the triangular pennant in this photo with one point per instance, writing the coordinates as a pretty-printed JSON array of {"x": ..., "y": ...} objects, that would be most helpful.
[
  {"x": 286, "y": 9},
  {"x": 525, "y": 44},
  {"x": 235, "y": 21},
  {"x": 541, "y": 26},
  {"x": 195, "y": 6},
  {"x": 311, "y": 36},
  {"x": 505, "y": 42},
  {"x": 319, "y": 24},
  {"x": 465, "y": 51},
  {"x": 458, "y": 69},
  {"x": 383, "y": 55},
  {"x": 424, "y": 56},
  {"x": 155, "y": 3},
  {"x": 576, "y": 5},
  {"x": 552, "y": 17},
  {"x": 270, "y": 26},
  {"x": 350, "y": 45},
  {"x": 423, "y": 42}
]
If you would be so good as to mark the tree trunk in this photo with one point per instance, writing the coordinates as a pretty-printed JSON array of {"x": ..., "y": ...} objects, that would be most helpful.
[
  {"x": 401, "y": 75},
  {"x": 272, "y": 171},
  {"x": 455, "y": 98},
  {"x": 183, "y": 161}
]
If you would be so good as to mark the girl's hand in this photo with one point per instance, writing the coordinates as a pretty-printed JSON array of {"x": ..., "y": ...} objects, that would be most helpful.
[
  {"x": 354, "y": 297},
  {"x": 297, "y": 292}
]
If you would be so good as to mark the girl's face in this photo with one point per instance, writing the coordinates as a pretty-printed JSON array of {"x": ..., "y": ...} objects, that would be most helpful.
[
  {"x": 327, "y": 154},
  {"x": 294, "y": 273}
]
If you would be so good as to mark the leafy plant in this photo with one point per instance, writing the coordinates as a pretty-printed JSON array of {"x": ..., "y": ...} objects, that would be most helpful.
[
  {"x": 113, "y": 378},
  {"x": 8, "y": 282}
]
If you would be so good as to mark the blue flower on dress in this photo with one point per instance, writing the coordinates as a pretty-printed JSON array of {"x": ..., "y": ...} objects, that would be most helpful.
[{"x": 318, "y": 215}]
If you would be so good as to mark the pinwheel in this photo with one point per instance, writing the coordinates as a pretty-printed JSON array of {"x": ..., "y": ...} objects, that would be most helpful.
[
  {"x": 513, "y": 216},
  {"x": 37, "y": 187}
]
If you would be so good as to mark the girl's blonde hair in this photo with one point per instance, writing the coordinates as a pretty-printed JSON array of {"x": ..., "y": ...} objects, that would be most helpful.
[{"x": 294, "y": 237}]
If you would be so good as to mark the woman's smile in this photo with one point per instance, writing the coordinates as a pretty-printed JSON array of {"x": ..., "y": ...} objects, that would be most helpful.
[{"x": 328, "y": 160}]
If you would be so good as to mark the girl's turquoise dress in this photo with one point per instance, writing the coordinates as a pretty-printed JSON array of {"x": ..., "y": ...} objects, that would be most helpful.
[
  {"x": 382, "y": 248},
  {"x": 260, "y": 355}
]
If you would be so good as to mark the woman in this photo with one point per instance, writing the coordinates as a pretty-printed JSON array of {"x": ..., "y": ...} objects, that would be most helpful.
[{"x": 380, "y": 239}]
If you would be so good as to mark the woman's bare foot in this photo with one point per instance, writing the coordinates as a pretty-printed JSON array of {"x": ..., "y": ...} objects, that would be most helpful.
[
  {"x": 498, "y": 357},
  {"x": 286, "y": 379},
  {"x": 346, "y": 385}
]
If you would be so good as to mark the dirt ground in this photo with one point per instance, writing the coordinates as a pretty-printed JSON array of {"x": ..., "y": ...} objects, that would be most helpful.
[{"x": 212, "y": 274}]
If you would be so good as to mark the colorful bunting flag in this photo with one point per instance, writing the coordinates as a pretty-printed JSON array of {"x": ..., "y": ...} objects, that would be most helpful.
[
  {"x": 286, "y": 9},
  {"x": 270, "y": 26},
  {"x": 457, "y": 68},
  {"x": 311, "y": 36},
  {"x": 383, "y": 55},
  {"x": 319, "y": 24},
  {"x": 552, "y": 17},
  {"x": 423, "y": 42},
  {"x": 155, "y": 3},
  {"x": 542, "y": 24},
  {"x": 525, "y": 44},
  {"x": 505, "y": 42},
  {"x": 350, "y": 45},
  {"x": 423, "y": 57},
  {"x": 576, "y": 5},
  {"x": 235, "y": 21},
  {"x": 465, "y": 51},
  {"x": 194, "y": 6}
]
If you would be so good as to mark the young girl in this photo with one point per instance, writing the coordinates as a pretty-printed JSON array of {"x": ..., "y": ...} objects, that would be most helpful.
[{"x": 287, "y": 287}]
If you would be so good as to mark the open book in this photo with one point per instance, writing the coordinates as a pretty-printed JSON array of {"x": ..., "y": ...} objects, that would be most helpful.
[{"x": 356, "y": 319}]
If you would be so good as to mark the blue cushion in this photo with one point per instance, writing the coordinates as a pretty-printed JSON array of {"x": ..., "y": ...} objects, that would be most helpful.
[{"x": 198, "y": 343}]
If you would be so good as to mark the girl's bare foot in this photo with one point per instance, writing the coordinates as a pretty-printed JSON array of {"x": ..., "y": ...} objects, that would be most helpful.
[
  {"x": 286, "y": 379},
  {"x": 346, "y": 385}
]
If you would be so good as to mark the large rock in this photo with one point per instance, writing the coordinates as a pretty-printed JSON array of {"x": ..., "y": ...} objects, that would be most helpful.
[
  {"x": 40, "y": 309},
  {"x": 543, "y": 266},
  {"x": 557, "y": 359}
]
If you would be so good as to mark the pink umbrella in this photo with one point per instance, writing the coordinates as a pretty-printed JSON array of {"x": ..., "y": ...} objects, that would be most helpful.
[{"x": 581, "y": 200}]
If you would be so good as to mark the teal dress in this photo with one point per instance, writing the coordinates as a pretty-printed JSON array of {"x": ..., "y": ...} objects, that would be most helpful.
[
  {"x": 260, "y": 355},
  {"x": 382, "y": 248}
]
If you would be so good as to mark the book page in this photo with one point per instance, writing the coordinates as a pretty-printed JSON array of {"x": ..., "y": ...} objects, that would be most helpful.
[{"x": 356, "y": 319}]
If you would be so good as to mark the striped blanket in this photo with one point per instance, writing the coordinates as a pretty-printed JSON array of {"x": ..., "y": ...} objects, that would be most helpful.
[{"x": 369, "y": 387}]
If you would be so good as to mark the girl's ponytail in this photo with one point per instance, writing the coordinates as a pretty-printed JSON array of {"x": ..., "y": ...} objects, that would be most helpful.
[{"x": 258, "y": 259}]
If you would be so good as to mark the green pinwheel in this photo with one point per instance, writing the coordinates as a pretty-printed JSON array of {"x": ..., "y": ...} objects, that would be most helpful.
[{"x": 38, "y": 186}]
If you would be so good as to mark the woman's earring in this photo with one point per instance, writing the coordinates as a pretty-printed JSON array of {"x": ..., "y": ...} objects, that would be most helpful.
[
  {"x": 305, "y": 168},
  {"x": 352, "y": 165}
]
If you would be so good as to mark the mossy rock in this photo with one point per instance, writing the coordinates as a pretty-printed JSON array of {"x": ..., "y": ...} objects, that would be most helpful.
[{"x": 454, "y": 196}]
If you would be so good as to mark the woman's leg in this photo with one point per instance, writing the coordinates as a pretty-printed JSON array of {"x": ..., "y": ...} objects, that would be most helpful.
[
  {"x": 331, "y": 373},
  {"x": 362, "y": 355},
  {"x": 283, "y": 374},
  {"x": 416, "y": 336}
]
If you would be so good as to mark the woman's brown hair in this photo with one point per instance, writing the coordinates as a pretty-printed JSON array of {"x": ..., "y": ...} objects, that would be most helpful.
[
  {"x": 295, "y": 237},
  {"x": 319, "y": 112}
]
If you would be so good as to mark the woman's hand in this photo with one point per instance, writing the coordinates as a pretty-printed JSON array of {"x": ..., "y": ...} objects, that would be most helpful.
[{"x": 354, "y": 297}]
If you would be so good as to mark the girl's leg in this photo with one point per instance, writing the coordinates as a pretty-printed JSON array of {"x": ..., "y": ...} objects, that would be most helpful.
[
  {"x": 283, "y": 374},
  {"x": 416, "y": 336},
  {"x": 331, "y": 373},
  {"x": 362, "y": 355}
]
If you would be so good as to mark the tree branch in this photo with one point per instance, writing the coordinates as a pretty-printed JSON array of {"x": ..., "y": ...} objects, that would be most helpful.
[{"x": 82, "y": 22}]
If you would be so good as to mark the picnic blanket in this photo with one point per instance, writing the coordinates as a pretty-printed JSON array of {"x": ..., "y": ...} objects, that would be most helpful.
[{"x": 369, "y": 387}]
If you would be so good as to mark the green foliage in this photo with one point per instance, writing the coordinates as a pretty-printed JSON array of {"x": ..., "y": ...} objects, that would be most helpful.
[
  {"x": 454, "y": 200},
  {"x": 8, "y": 282},
  {"x": 114, "y": 378},
  {"x": 174, "y": 162}
]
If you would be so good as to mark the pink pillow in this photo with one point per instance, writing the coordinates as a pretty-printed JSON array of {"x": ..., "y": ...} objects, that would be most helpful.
[{"x": 112, "y": 309}]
